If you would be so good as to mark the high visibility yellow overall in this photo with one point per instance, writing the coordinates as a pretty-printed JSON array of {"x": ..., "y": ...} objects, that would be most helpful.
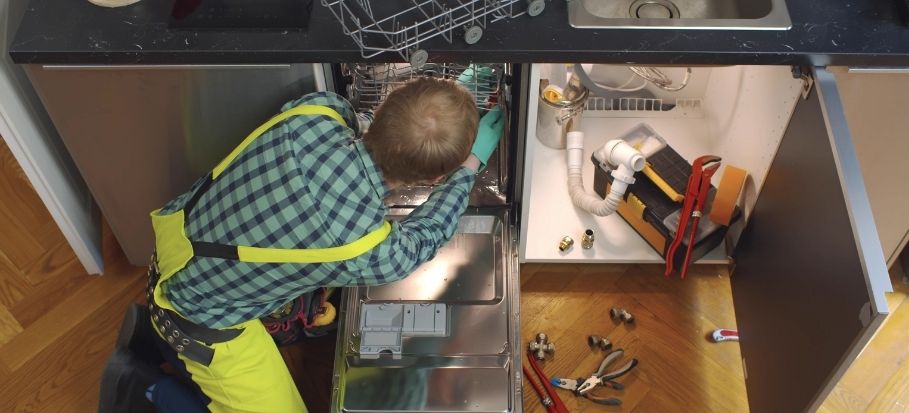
[{"x": 246, "y": 373}]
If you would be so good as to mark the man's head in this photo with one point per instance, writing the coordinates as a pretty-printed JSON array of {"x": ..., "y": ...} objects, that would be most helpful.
[{"x": 422, "y": 131}]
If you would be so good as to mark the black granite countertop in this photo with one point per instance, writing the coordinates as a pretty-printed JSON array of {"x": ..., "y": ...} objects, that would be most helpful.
[{"x": 844, "y": 32}]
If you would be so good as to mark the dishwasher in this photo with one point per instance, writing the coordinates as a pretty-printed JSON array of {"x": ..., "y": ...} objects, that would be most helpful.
[{"x": 447, "y": 337}]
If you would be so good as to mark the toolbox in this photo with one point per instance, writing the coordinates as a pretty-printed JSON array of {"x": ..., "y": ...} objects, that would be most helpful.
[{"x": 650, "y": 210}]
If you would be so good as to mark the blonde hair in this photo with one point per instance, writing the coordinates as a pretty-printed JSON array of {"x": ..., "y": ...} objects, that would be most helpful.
[{"x": 422, "y": 131}]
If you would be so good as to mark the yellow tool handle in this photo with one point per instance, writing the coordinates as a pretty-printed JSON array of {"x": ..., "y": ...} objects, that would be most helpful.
[{"x": 660, "y": 183}]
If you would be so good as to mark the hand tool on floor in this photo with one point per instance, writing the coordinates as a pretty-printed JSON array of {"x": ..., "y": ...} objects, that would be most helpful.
[
  {"x": 721, "y": 335},
  {"x": 544, "y": 398},
  {"x": 545, "y": 390},
  {"x": 582, "y": 387},
  {"x": 696, "y": 193},
  {"x": 601, "y": 376},
  {"x": 572, "y": 384}
]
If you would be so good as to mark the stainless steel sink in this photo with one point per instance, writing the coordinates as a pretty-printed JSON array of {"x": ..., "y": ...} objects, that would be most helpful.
[{"x": 679, "y": 14}]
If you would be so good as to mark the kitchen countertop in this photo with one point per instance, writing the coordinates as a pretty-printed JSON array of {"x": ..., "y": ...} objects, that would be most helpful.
[{"x": 841, "y": 32}]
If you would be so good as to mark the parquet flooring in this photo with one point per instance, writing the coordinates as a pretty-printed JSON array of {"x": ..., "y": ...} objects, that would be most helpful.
[
  {"x": 679, "y": 370},
  {"x": 58, "y": 325}
]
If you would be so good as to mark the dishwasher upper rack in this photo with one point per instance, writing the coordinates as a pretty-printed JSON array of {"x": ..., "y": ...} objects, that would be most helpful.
[
  {"x": 401, "y": 25},
  {"x": 371, "y": 83}
]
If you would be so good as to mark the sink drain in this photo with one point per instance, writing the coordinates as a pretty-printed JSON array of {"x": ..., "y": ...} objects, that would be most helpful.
[{"x": 654, "y": 9}]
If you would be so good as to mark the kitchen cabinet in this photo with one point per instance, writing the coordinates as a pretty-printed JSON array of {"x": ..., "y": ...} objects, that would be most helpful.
[
  {"x": 809, "y": 270},
  {"x": 142, "y": 134},
  {"x": 808, "y": 273},
  {"x": 875, "y": 102}
]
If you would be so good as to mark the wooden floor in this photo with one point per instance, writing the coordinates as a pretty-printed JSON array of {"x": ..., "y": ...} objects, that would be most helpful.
[
  {"x": 57, "y": 326},
  {"x": 680, "y": 368}
]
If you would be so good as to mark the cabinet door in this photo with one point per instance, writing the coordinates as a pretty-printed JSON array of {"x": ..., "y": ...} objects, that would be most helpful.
[
  {"x": 142, "y": 134},
  {"x": 810, "y": 276}
]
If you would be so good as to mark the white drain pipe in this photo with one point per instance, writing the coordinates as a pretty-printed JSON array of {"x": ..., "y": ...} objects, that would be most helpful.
[{"x": 615, "y": 152}]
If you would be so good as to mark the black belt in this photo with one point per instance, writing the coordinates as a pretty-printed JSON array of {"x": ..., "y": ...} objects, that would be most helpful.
[{"x": 182, "y": 335}]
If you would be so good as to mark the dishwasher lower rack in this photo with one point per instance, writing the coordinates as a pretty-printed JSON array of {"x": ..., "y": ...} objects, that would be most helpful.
[
  {"x": 368, "y": 84},
  {"x": 402, "y": 25},
  {"x": 469, "y": 358}
]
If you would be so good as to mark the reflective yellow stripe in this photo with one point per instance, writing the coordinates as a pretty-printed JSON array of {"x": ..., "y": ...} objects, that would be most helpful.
[
  {"x": 316, "y": 255},
  {"x": 297, "y": 111},
  {"x": 173, "y": 248}
]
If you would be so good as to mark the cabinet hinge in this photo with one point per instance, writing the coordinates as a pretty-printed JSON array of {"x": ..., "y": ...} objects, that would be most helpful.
[{"x": 807, "y": 77}]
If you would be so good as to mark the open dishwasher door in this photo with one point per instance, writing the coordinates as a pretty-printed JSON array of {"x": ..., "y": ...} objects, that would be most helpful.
[
  {"x": 444, "y": 339},
  {"x": 447, "y": 337}
]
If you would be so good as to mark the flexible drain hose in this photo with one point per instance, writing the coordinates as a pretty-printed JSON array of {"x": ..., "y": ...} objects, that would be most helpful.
[{"x": 615, "y": 152}]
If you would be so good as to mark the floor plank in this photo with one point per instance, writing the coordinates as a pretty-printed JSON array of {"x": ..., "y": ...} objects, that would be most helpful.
[
  {"x": 678, "y": 366},
  {"x": 9, "y": 326},
  {"x": 869, "y": 376},
  {"x": 894, "y": 398}
]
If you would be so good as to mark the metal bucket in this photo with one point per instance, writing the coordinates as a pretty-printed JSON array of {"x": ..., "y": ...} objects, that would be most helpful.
[{"x": 555, "y": 120}]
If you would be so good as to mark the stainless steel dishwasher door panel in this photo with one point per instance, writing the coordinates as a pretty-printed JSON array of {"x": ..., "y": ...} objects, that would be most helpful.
[
  {"x": 141, "y": 135},
  {"x": 473, "y": 367},
  {"x": 427, "y": 389},
  {"x": 467, "y": 270}
]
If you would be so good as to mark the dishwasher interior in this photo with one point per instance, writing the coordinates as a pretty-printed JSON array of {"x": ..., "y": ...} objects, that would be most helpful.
[
  {"x": 369, "y": 84},
  {"x": 446, "y": 338}
]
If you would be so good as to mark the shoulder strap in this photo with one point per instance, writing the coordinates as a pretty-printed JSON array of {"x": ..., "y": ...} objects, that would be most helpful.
[
  {"x": 297, "y": 111},
  {"x": 222, "y": 166},
  {"x": 280, "y": 255}
]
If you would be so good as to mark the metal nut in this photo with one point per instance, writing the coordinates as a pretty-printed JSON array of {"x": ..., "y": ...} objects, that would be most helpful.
[
  {"x": 627, "y": 317},
  {"x": 587, "y": 239},
  {"x": 621, "y": 314},
  {"x": 566, "y": 243},
  {"x": 599, "y": 342}
]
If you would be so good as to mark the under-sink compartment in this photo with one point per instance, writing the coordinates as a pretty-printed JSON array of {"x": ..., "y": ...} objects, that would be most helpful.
[
  {"x": 808, "y": 267},
  {"x": 739, "y": 113},
  {"x": 466, "y": 359}
]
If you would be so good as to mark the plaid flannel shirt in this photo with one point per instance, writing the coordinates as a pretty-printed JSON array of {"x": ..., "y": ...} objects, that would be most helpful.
[{"x": 306, "y": 183}]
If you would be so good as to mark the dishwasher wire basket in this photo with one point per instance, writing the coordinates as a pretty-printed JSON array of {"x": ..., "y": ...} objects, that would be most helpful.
[
  {"x": 402, "y": 25},
  {"x": 371, "y": 83}
]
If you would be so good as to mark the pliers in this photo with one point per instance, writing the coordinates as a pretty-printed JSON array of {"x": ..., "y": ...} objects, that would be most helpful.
[
  {"x": 582, "y": 387},
  {"x": 698, "y": 188}
]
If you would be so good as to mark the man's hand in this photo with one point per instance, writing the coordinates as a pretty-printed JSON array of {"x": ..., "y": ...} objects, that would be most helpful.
[
  {"x": 489, "y": 132},
  {"x": 478, "y": 78}
]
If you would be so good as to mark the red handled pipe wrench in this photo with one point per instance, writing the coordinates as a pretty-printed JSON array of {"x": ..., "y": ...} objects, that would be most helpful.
[
  {"x": 547, "y": 393},
  {"x": 693, "y": 207}
]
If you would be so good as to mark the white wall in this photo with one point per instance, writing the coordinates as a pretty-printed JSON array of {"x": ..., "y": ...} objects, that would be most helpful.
[{"x": 36, "y": 145}]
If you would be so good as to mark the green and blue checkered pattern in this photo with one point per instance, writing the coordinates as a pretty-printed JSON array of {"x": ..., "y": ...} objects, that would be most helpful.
[{"x": 306, "y": 183}]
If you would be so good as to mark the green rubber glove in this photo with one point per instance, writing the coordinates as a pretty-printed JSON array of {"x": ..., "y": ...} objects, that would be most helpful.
[
  {"x": 490, "y": 130},
  {"x": 478, "y": 78}
]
